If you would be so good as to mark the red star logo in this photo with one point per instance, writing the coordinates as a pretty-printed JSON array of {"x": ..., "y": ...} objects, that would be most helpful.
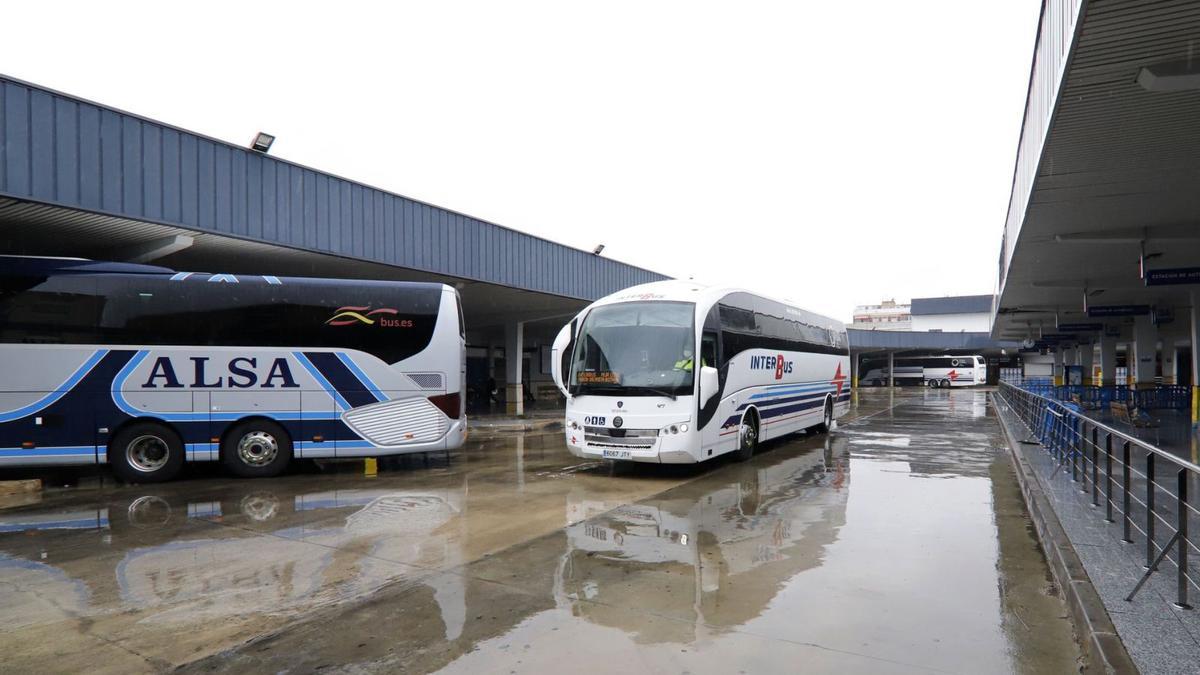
[
  {"x": 953, "y": 374},
  {"x": 839, "y": 380}
]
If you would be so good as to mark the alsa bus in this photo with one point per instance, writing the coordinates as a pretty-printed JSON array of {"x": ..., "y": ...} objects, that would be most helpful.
[
  {"x": 144, "y": 368},
  {"x": 930, "y": 371},
  {"x": 675, "y": 372}
]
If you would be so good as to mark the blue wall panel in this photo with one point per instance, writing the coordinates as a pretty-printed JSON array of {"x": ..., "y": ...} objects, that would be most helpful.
[{"x": 61, "y": 150}]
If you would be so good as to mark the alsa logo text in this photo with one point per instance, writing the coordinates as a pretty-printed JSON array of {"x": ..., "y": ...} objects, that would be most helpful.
[
  {"x": 780, "y": 365},
  {"x": 385, "y": 317},
  {"x": 239, "y": 373}
]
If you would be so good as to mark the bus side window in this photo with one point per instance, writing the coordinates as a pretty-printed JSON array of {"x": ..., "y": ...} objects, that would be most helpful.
[{"x": 708, "y": 350}]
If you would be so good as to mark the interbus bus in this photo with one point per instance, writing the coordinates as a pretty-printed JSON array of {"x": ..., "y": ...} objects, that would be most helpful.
[
  {"x": 930, "y": 371},
  {"x": 144, "y": 368},
  {"x": 676, "y": 372}
]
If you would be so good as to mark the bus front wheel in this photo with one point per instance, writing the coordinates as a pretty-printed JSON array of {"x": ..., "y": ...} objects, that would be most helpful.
[
  {"x": 747, "y": 438},
  {"x": 146, "y": 452},
  {"x": 256, "y": 448}
]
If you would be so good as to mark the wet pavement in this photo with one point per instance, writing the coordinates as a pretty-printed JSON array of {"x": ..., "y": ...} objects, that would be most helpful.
[{"x": 897, "y": 543}]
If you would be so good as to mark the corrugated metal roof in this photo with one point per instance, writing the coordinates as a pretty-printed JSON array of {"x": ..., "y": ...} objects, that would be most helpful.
[
  {"x": 955, "y": 304},
  {"x": 63, "y": 151}
]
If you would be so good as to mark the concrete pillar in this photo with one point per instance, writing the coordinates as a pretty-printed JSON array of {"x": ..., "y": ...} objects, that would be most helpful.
[
  {"x": 1108, "y": 361},
  {"x": 1168, "y": 359},
  {"x": 1086, "y": 353},
  {"x": 853, "y": 371},
  {"x": 1195, "y": 326},
  {"x": 1145, "y": 351},
  {"x": 1058, "y": 366},
  {"x": 491, "y": 360},
  {"x": 891, "y": 369},
  {"x": 514, "y": 356}
]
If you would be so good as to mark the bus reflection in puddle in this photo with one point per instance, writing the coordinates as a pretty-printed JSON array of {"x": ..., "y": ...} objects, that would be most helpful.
[{"x": 713, "y": 558}]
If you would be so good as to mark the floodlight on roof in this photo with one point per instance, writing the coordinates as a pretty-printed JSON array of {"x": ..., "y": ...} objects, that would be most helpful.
[
  {"x": 1173, "y": 76},
  {"x": 262, "y": 142},
  {"x": 598, "y": 250}
]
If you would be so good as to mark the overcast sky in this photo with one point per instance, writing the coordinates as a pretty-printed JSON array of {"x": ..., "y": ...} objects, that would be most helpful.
[{"x": 831, "y": 153}]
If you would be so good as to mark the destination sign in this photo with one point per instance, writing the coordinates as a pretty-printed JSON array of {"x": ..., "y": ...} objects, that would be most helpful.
[
  {"x": 1081, "y": 327},
  {"x": 1170, "y": 277},
  {"x": 1118, "y": 310}
]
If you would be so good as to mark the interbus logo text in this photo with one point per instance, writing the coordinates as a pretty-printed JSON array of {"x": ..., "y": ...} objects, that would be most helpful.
[{"x": 780, "y": 365}]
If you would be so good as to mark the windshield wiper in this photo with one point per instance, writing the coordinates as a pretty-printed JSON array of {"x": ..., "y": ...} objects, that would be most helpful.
[{"x": 660, "y": 392}]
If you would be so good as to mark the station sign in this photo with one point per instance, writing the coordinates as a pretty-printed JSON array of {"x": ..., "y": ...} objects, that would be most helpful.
[
  {"x": 1058, "y": 337},
  {"x": 1162, "y": 315},
  {"x": 1171, "y": 277},
  {"x": 1081, "y": 327},
  {"x": 1118, "y": 310}
]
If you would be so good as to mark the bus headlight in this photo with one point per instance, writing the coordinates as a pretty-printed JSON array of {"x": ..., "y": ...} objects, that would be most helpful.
[
  {"x": 674, "y": 429},
  {"x": 683, "y": 428},
  {"x": 574, "y": 425}
]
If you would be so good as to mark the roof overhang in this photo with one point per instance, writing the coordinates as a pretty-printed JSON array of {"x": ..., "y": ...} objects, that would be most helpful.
[{"x": 1117, "y": 179}]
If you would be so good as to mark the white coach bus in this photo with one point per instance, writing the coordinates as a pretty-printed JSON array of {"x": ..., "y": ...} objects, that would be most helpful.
[
  {"x": 144, "y": 368},
  {"x": 675, "y": 372},
  {"x": 930, "y": 371}
]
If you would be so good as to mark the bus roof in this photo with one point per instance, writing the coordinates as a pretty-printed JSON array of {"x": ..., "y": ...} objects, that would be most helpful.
[
  {"x": 691, "y": 291},
  {"x": 16, "y": 265},
  {"x": 38, "y": 266}
]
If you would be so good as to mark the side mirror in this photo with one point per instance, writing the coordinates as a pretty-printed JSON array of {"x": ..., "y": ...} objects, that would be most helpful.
[
  {"x": 558, "y": 354},
  {"x": 709, "y": 384}
]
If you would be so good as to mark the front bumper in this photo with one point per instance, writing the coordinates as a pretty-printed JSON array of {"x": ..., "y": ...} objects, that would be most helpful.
[{"x": 672, "y": 449}]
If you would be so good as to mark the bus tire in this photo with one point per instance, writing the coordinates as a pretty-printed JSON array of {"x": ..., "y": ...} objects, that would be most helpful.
[
  {"x": 826, "y": 417},
  {"x": 946, "y": 383},
  {"x": 747, "y": 437},
  {"x": 146, "y": 452},
  {"x": 934, "y": 384},
  {"x": 256, "y": 448}
]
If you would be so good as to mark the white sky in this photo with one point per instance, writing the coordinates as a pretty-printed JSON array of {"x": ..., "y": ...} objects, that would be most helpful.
[{"x": 833, "y": 153}]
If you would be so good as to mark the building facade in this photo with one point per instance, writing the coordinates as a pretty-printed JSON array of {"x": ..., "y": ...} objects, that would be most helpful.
[{"x": 887, "y": 315}]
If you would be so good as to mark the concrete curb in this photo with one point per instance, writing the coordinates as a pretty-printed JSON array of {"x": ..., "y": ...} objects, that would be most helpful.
[{"x": 1102, "y": 646}]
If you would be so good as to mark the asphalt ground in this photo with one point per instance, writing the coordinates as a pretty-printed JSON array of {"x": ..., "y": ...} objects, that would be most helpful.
[{"x": 899, "y": 542}]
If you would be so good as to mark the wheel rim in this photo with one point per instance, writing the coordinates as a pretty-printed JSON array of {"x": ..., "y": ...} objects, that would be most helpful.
[
  {"x": 748, "y": 435},
  {"x": 257, "y": 448},
  {"x": 147, "y": 453},
  {"x": 149, "y": 512},
  {"x": 828, "y": 415}
]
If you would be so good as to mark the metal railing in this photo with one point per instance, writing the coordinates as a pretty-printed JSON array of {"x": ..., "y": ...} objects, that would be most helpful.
[
  {"x": 1144, "y": 486},
  {"x": 1158, "y": 397}
]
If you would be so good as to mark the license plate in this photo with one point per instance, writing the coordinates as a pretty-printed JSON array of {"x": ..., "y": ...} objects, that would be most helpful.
[{"x": 617, "y": 454}]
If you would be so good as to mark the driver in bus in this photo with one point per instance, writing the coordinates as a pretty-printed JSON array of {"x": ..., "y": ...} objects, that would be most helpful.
[{"x": 685, "y": 364}]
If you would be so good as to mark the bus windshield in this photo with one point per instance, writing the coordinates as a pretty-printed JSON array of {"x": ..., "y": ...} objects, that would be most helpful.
[{"x": 636, "y": 349}]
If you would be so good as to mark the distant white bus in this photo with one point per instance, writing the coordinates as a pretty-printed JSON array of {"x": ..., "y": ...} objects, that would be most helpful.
[
  {"x": 676, "y": 372},
  {"x": 929, "y": 371},
  {"x": 144, "y": 368}
]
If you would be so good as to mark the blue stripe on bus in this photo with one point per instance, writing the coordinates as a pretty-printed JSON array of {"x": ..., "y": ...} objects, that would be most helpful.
[
  {"x": 62, "y": 390},
  {"x": 321, "y": 380},
  {"x": 74, "y": 524},
  {"x": 779, "y": 390},
  {"x": 59, "y": 451},
  {"x": 362, "y": 377}
]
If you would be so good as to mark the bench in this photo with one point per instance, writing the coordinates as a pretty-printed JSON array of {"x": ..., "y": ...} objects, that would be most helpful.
[{"x": 1134, "y": 417}]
